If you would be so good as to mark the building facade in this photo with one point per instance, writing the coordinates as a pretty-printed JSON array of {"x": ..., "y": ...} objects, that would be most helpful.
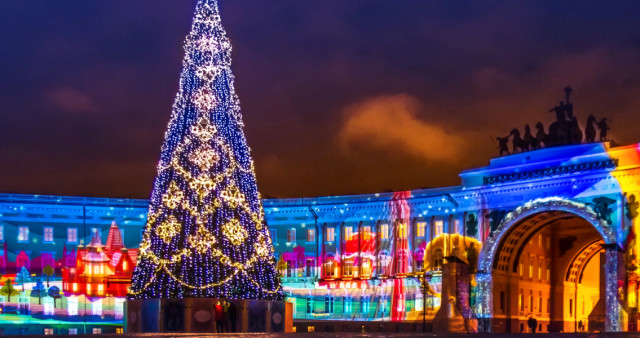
[{"x": 548, "y": 234}]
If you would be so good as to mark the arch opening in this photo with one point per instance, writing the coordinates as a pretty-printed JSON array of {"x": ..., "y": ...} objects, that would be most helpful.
[{"x": 546, "y": 266}]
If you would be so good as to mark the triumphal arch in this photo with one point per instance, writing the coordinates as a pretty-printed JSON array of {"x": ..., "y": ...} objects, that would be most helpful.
[{"x": 560, "y": 239}]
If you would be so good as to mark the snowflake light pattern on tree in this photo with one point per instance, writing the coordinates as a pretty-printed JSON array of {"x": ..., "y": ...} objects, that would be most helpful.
[{"x": 206, "y": 235}]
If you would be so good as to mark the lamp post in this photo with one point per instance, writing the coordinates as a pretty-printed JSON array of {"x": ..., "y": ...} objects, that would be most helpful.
[{"x": 426, "y": 278}]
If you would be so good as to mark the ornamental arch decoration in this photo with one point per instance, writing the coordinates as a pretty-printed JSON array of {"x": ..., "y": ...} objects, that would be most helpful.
[
  {"x": 487, "y": 254},
  {"x": 484, "y": 304}
]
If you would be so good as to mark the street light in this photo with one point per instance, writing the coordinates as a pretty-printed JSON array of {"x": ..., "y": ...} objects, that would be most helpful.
[{"x": 426, "y": 278}]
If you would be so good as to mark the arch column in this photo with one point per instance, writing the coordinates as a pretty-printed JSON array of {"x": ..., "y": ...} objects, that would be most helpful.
[
  {"x": 484, "y": 301},
  {"x": 613, "y": 308}
]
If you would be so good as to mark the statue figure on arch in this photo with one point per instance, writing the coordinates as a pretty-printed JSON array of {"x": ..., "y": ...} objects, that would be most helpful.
[
  {"x": 604, "y": 127},
  {"x": 542, "y": 139},
  {"x": 528, "y": 137},
  {"x": 503, "y": 145}
]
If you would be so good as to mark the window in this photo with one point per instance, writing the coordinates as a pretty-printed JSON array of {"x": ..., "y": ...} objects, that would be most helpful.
[
  {"x": 328, "y": 304},
  {"x": 347, "y": 304},
  {"x": 530, "y": 269},
  {"x": 570, "y": 307},
  {"x": 291, "y": 236},
  {"x": 419, "y": 259},
  {"x": 1, "y": 233},
  {"x": 330, "y": 267},
  {"x": 100, "y": 289},
  {"x": 290, "y": 267},
  {"x": 119, "y": 330},
  {"x": 72, "y": 304},
  {"x": 366, "y": 229},
  {"x": 521, "y": 269},
  {"x": 24, "y": 306},
  {"x": 540, "y": 302},
  {"x": 383, "y": 305},
  {"x": 419, "y": 302},
  {"x": 96, "y": 308},
  {"x": 402, "y": 230},
  {"x": 311, "y": 235},
  {"x": 73, "y": 330},
  {"x": 548, "y": 271},
  {"x": 48, "y": 234},
  {"x": 348, "y": 232},
  {"x": 348, "y": 267},
  {"x": 311, "y": 264},
  {"x": 548, "y": 242},
  {"x": 97, "y": 330},
  {"x": 72, "y": 235},
  {"x": 456, "y": 226},
  {"x": 48, "y": 309},
  {"x": 364, "y": 304},
  {"x": 437, "y": 260},
  {"x": 502, "y": 301},
  {"x": 272, "y": 233},
  {"x": 438, "y": 227},
  {"x": 384, "y": 231},
  {"x": 331, "y": 234},
  {"x": 530, "y": 300},
  {"x": 540, "y": 271},
  {"x": 23, "y": 234},
  {"x": 521, "y": 300},
  {"x": 118, "y": 307},
  {"x": 309, "y": 306},
  {"x": 540, "y": 240},
  {"x": 48, "y": 331}
]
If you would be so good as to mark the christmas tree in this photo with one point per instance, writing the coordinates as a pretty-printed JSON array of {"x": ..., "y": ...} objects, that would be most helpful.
[{"x": 205, "y": 235}]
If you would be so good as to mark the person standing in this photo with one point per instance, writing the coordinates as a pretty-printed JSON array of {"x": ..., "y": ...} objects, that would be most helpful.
[
  {"x": 227, "y": 321},
  {"x": 219, "y": 318},
  {"x": 533, "y": 324}
]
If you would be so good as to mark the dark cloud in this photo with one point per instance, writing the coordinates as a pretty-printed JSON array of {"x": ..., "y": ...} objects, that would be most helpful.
[{"x": 88, "y": 87}]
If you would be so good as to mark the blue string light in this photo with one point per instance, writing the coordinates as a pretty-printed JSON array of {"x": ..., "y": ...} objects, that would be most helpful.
[{"x": 206, "y": 235}]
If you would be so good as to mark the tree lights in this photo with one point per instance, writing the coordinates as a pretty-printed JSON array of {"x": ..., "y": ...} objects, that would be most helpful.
[{"x": 206, "y": 235}]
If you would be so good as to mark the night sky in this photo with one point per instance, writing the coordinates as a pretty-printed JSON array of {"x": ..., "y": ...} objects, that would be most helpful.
[{"x": 338, "y": 96}]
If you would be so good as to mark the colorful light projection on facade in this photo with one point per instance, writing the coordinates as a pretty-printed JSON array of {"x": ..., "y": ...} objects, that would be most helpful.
[{"x": 357, "y": 257}]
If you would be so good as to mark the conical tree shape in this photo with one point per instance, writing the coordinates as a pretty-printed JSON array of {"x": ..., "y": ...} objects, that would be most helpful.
[{"x": 206, "y": 235}]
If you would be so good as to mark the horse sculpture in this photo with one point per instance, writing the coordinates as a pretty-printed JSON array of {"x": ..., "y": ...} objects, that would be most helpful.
[
  {"x": 602, "y": 125},
  {"x": 518, "y": 142},
  {"x": 531, "y": 141},
  {"x": 576, "y": 133},
  {"x": 541, "y": 136}
]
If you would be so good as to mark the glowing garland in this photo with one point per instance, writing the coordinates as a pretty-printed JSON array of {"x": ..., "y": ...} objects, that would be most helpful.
[
  {"x": 168, "y": 229},
  {"x": 203, "y": 241},
  {"x": 205, "y": 234},
  {"x": 234, "y": 232}
]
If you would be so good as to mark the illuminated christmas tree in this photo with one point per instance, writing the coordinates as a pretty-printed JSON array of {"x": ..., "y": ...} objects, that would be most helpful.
[{"x": 206, "y": 235}]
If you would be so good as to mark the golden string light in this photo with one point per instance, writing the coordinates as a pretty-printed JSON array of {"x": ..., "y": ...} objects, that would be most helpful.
[
  {"x": 173, "y": 197},
  {"x": 168, "y": 229},
  {"x": 203, "y": 240},
  {"x": 203, "y": 129},
  {"x": 234, "y": 232},
  {"x": 204, "y": 157},
  {"x": 232, "y": 196},
  {"x": 204, "y": 100}
]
